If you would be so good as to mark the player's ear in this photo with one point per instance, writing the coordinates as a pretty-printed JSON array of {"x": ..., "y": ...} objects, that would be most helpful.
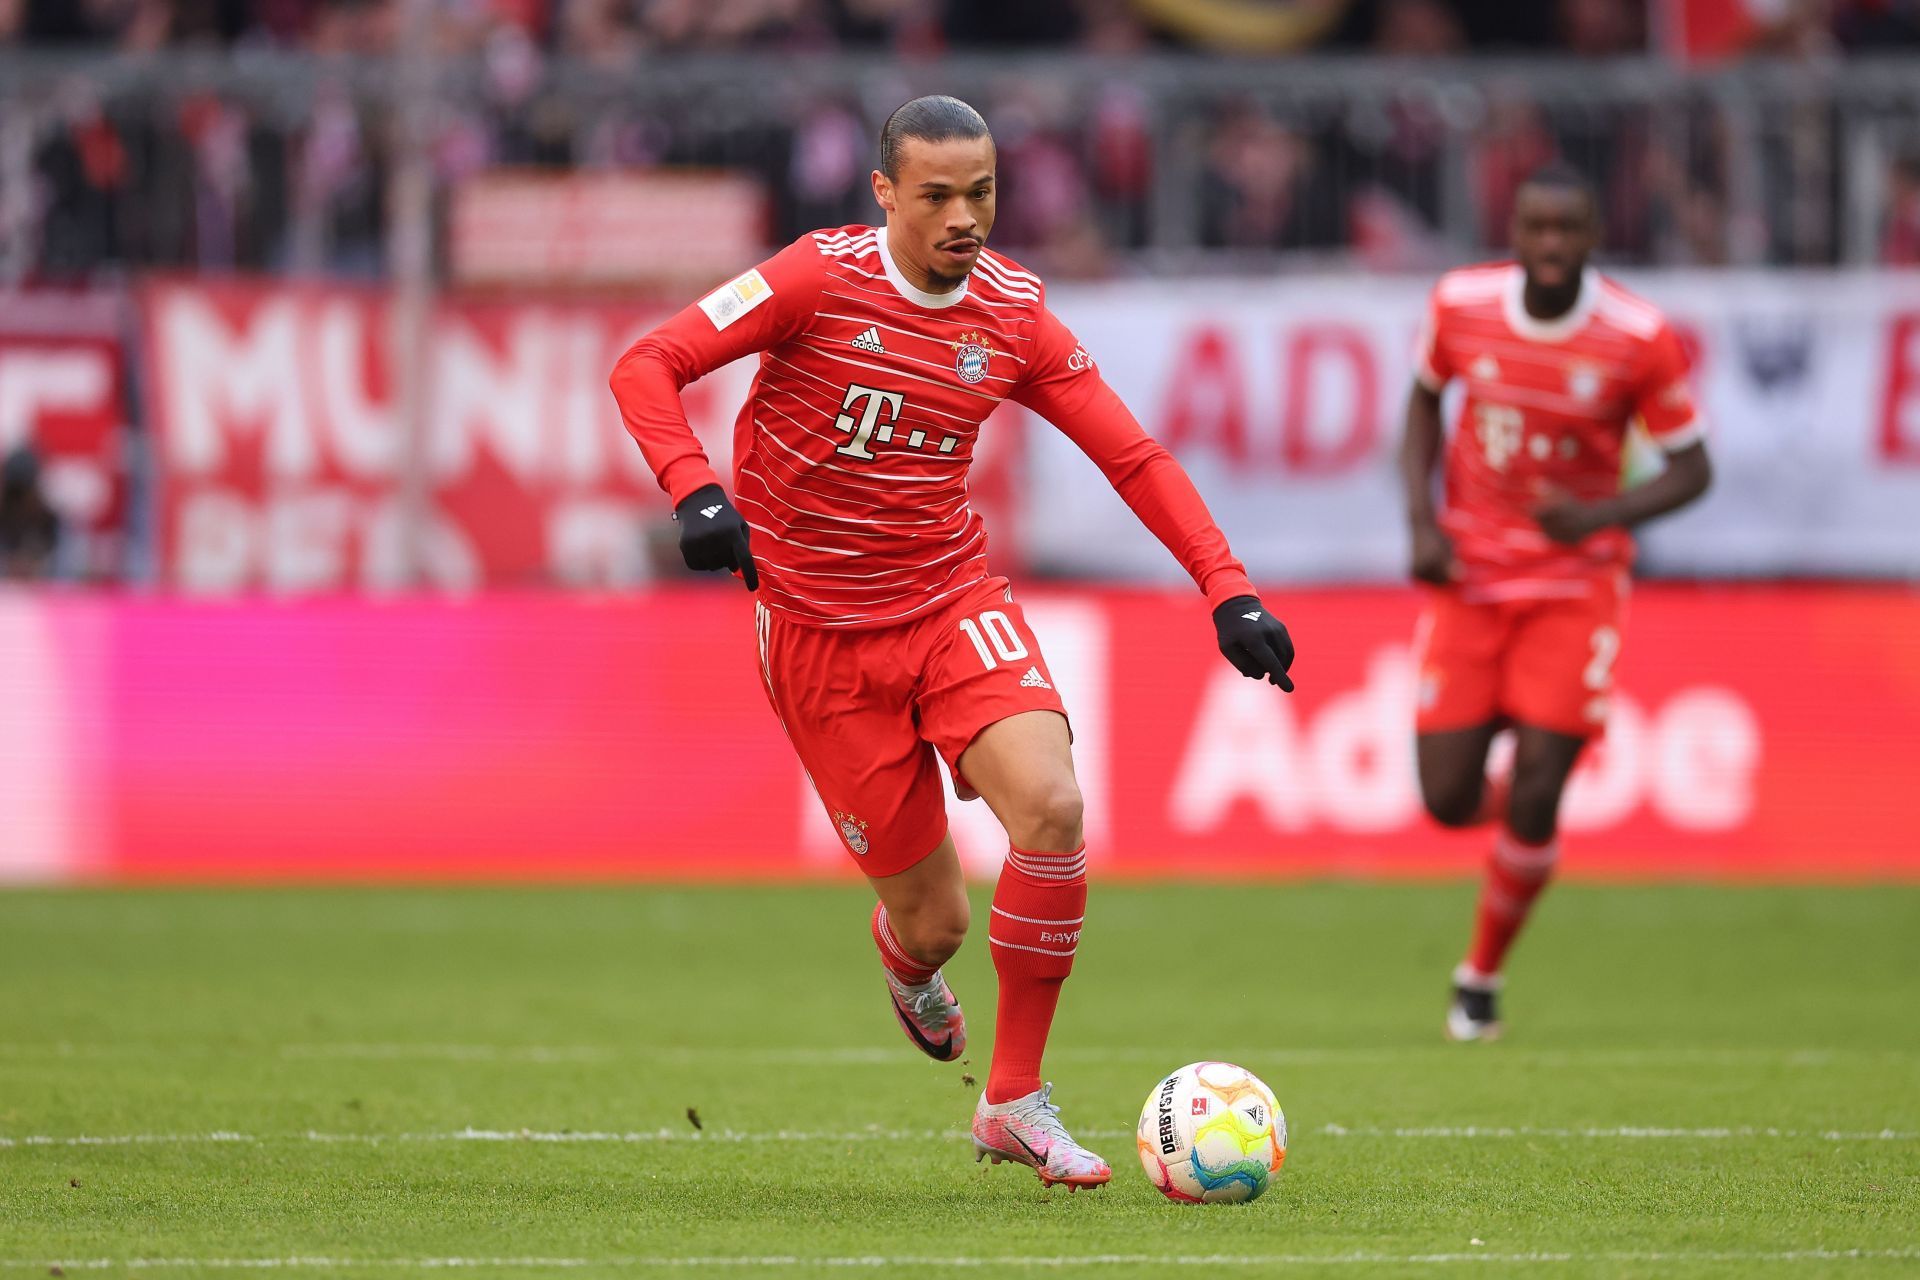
[{"x": 883, "y": 190}]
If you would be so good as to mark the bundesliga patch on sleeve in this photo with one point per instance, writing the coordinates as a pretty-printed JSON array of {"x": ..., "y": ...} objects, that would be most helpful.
[{"x": 736, "y": 297}]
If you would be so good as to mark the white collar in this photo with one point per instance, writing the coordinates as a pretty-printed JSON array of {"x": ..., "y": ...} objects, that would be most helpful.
[
  {"x": 895, "y": 277},
  {"x": 1513, "y": 302}
]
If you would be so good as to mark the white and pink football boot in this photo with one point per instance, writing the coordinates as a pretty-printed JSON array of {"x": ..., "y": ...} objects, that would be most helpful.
[
  {"x": 930, "y": 1015},
  {"x": 1028, "y": 1131}
]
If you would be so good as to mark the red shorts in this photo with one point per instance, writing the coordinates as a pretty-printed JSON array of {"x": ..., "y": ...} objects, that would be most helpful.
[
  {"x": 1546, "y": 662},
  {"x": 867, "y": 711}
]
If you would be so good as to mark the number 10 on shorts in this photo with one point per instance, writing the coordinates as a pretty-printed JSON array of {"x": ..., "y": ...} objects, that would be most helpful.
[{"x": 994, "y": 638}]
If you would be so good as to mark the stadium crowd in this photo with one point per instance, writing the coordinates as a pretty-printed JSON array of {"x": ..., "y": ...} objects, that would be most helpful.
[
  {"x": 215, "y": 180},
  {"x": 615, "y": 29}
]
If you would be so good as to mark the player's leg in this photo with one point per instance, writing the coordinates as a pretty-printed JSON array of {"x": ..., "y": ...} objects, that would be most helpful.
[
  {"x": 988, "y": 703},
  {"x": 918, "y": 924},
  {"x": 922, "y": 914},
  {"x": 1457, "y": 652},
  {"x": 1453, "y": 776},
  {"x": 1525, "y": 852},
  {"x": 845, "y": 703},
  {"x": 1558, "y": 677},
  {"x": 1023, "y": 768}
]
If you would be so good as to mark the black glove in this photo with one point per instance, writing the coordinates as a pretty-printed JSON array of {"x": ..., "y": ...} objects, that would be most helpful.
[
  {"x": 1254, "y": 641},
  {"x": 713, "y": 536}
]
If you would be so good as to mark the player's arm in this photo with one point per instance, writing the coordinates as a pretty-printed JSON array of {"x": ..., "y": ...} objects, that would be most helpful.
[
  {"x": 1062, "y": 386},
  {"x": 1421, "y": 440},
  {"x": 1688, "y": 475},
  {"x": 749, "y": 313},
  {"x": 1664, "y": 405}
]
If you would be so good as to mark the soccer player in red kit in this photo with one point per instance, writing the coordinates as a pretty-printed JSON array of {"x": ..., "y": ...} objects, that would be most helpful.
[
  {"x": 1527, "y": 558},
  {"x": 885, "y": 643}
]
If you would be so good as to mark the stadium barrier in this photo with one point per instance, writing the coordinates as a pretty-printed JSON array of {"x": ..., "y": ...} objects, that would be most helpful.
[{"x": 1759, "y": 733}]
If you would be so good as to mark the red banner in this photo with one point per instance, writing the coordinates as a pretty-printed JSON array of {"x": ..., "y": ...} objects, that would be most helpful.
[
  {"x": 1758, "y": 733},
  {"x": 63, "y": 392},
  {"x": 282, "y": 455}
]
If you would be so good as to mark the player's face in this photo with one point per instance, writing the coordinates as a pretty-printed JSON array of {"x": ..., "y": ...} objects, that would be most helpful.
[
  {"x": 941, "y": 207},
  {"x": 1554, "y": 229}
]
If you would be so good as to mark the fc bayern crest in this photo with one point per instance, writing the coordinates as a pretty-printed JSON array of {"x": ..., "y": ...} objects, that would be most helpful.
[
  {"x": 853, "y": 831},
  {"x": 970, "y": 358}
]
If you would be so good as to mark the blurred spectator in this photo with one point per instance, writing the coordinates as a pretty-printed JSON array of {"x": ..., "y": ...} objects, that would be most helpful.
[
  {"x": 84, "y": 172},
  {"x": 832, "y": 157},
  {"x": 1260, "y": 188},
  {"x": 1043, "y": 187},
  {"x": 1025, "y": 23},
  {"x": 1900, "y": 231},
  {"x": 1602, "y": 28},
  {"x": 29, "y": 529},
  {"x": 1513, "y": 142},
  {"x": 1119, "y": 151},
  {"x": 1877, "y": 24},
  {"x": 1418, "y": 29}
]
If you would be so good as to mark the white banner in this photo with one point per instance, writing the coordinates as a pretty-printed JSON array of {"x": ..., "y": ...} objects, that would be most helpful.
[{"x": 1284, "y": 400}]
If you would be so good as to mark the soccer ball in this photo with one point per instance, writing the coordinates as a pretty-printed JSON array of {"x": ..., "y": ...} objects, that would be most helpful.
[{"x": 1211, "y": 1133}]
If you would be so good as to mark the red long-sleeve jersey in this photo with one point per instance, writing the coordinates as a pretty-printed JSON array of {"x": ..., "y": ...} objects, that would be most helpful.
[{"x": 851, "y": 452}]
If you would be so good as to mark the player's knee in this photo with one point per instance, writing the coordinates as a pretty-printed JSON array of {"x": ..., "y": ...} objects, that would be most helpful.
[
  {"x": 1049, "y": 818},
  {"x": 933, "y": 934}
]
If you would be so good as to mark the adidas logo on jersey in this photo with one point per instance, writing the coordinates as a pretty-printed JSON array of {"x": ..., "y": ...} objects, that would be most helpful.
[
  {"x": 870, "y": 341},
  {"x": 1034, "y": 680}
]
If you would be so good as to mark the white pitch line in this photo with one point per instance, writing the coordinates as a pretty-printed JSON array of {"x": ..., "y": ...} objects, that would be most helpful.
[
  {"x": 862, "y": 1055},
  {"x": 1006, "y": 1262},
  {"x": 832, "y": 1137},
  {"x": 1615, "y": 1131}
]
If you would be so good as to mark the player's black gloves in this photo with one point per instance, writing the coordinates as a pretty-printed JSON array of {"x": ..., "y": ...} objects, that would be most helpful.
[
  {"x": 713, "y": 536},
  {"x": 1254, "y": 641}
]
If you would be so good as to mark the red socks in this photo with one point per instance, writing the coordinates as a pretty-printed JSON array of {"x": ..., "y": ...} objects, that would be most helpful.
[
  {"x": 1516, "y": 873},
  {"x": 1038, "y": 907},
  {"x": 892, "y": 954}
]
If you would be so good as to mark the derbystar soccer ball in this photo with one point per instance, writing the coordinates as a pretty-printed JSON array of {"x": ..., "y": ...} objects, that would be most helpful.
[{"x": 1211, "y": 1133}]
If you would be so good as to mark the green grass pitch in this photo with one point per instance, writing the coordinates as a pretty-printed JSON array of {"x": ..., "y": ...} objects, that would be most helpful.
[{"x": 1698, "y": 1081}]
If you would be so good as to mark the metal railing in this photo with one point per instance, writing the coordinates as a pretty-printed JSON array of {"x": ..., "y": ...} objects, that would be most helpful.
[{"x": 286, "y": 162}]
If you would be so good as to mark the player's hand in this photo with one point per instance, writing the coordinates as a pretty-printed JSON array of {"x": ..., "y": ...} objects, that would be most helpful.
[
  {"x": 1566, "y": 519},
  {"x": 713, "y": 535},
  {"x": 1433, "y": 555},
  {"x": 1254, "y": 641}
]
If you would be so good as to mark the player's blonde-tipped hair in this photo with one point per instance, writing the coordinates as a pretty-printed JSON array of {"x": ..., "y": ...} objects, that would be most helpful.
[{"x": 934, "y": 118}]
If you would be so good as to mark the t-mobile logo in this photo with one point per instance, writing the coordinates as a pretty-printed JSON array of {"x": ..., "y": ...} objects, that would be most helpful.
[{"x": 876, "y": 411}]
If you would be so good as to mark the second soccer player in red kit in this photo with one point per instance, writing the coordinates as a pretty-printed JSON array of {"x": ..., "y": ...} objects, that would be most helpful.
[
  {"x": 886, "y": 645},
  {"x": 1528, "y": 558}
]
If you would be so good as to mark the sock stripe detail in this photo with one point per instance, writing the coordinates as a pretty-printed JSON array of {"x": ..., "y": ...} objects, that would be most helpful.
[
  {"x": 1021, "y": 946},
  {"x": 894, "y": 951},
  {"x": 1041, "y": 855},
  {"x": 1525, "y": 860},
  {"x": 892, "y": 954},
  {"x": 1031, "y": 920},
  {"x": 1050, "y": 866}
]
